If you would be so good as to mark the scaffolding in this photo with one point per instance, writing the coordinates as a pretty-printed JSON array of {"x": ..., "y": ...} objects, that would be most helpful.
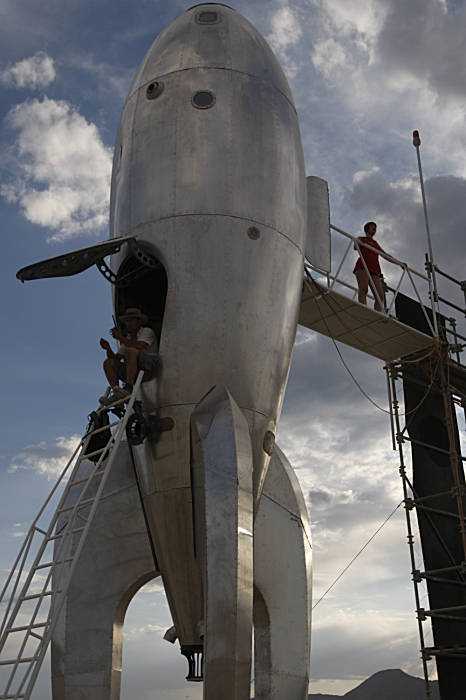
[
  {"x": 448, "y": 380},
  {"x": 426, "y": 351}
]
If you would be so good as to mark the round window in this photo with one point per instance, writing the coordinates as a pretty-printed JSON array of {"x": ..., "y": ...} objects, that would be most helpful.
[
  {"x": 154, "y": 90},
  {"x": 203, "y": 99}
]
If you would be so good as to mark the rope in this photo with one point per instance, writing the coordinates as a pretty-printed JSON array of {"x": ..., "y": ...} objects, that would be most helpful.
[
  {"x": 357, "y": 555},
  {"x": 363, "y": 392}
]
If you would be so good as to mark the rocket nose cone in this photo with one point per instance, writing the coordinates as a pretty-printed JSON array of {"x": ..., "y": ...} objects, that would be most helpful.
[{"x": 211, "y": 35}]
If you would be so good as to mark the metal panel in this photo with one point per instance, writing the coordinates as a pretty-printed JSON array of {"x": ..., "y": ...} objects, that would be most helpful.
[{"x": 318, "y": 243}]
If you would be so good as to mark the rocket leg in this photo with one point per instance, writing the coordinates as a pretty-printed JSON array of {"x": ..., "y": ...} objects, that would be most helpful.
[
  {"x": 222, "y": 478},
  {"x": 282, "y": 593},
  {"x": 115, "y": 562}
]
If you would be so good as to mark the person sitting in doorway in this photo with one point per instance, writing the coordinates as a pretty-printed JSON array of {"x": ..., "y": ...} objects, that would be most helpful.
[
  {"x": 137, "y": 350},
  {"x": 370, "y": 254}
]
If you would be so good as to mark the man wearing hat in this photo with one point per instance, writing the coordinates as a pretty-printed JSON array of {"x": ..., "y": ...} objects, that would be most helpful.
[{"x": 137, "y": 350}]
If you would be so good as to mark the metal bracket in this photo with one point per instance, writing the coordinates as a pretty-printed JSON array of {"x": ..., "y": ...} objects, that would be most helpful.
[
  {"x": 143, "y": 256},
  {"x": 104, "y": 270},
  {"x": 194, "y": 653}
]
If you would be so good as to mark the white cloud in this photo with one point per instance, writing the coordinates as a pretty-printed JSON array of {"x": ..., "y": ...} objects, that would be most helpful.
[
  {"x": 285, "y": 34},
  {"x": 35, "y": 72},
  {"x": 44, "y": 458},
  {"x": 362, "y": 16},
  {"x": 63, "y": 169}
]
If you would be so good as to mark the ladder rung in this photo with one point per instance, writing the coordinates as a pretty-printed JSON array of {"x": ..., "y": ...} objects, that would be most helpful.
[
  {"x": 87, "y": 478},
  {"x": 61, "y": 534},
  {"x": 36, "y": 625},
  {"x": 106, "y": 408},
  {"x": 86, "y": 502},
  {"x": 54, "y": 563},
  {"x": 104, "y": 427},
  {"x": 88, "y": 455},
  {"x": 11, "y": 662},
  {"x": 38, "y": 595},
  {"x": 37, "y": 636},
  {"x": 39, "y": 529}
]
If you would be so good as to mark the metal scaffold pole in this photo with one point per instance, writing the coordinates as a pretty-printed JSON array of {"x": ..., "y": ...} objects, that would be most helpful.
[
  {"x": 430, "y": 266},
  {"x": 407, "y": 505}
]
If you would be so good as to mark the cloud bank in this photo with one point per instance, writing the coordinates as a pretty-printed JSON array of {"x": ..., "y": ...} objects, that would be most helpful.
[{"x": 62, "y": 169}]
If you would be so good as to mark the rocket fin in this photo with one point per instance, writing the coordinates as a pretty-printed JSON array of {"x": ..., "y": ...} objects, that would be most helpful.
[
  {"x": 115, "y": 562},
  {"x": 72, "y": 263},
  {"x": 223, "y": 515},
  {"x": 318, "y": 223},
  {"x": 282, "y": 592}
]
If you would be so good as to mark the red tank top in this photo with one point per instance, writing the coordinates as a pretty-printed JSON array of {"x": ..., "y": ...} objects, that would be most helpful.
[{"x": 371, "y": 257}]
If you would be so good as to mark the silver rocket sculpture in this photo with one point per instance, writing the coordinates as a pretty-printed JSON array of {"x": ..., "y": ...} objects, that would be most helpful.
[{"x": 208, "y": 226}]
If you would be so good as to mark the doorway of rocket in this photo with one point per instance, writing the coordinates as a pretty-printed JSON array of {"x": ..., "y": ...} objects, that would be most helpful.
[{"x": 143, "y": 287}]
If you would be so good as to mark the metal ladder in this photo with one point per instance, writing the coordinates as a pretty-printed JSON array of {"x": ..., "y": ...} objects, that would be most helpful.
[{"x": 36, "y": 588}]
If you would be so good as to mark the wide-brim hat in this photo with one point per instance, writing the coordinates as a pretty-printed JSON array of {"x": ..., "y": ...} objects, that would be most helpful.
[{"x": 133, "y": 312}]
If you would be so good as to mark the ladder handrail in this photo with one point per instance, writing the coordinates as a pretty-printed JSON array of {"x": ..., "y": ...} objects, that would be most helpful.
[{"x": 61, "y": 568}]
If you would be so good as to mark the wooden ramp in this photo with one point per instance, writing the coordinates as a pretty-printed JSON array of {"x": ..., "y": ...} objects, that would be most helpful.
[{"x": 328, "y": 312}]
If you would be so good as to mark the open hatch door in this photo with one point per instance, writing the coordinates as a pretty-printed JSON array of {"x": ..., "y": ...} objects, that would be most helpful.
[{"x": 74, "y": 262}]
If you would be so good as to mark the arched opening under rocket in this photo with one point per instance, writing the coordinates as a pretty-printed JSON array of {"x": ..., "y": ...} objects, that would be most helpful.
[{"x": 142, "y": 287}]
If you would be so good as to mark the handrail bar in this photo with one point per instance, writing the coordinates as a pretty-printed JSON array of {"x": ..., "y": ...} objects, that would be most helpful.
[
  {"x": 460, "y": 283},
  {"x": 389, "y": 258},
  {"x": 356, "y": 243}
]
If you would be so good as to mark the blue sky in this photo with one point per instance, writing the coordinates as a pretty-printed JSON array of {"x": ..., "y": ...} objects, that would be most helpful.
[{"x": 364, "y": 75}]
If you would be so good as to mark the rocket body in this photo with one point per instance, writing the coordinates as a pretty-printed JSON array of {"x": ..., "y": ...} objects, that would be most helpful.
[
  {"x": 209, "y": 174},
  {"x": 208, "y": 224}
]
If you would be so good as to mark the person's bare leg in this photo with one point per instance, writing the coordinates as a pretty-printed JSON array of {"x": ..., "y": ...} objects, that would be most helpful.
[
  {"x": 376, "y": 282},
  {"x": 110, "y": 372},
  {"x": 131, "y": 364},
  {"x": 363, "y": 285}
]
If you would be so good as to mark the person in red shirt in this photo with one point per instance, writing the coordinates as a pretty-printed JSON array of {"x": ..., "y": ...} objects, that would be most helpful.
[{"x": 370, "y": 255}]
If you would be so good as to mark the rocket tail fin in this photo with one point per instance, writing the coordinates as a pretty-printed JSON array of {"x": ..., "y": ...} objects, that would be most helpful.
[{"x": 282, "y": 586}]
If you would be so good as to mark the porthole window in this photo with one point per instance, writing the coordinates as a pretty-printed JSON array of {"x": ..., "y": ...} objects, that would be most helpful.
[
  {"x": 208, "y": 17},
  {"x": 203, "y": 99},
  {"x": 154, "y": 90}
]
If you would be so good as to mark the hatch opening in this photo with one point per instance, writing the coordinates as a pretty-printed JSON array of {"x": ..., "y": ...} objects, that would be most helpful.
[{"x": 146, "y": 289}]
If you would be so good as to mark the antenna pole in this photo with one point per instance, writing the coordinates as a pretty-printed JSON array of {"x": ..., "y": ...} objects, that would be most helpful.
[{"x": 430, "y": 264}]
